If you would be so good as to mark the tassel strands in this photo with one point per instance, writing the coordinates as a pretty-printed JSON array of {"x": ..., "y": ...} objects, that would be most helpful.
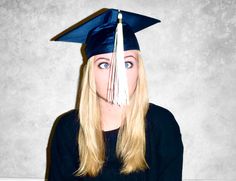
[{"x": 117, "y": 86}]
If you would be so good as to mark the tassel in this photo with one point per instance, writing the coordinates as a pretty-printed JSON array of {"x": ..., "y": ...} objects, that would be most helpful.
[{"x": 117, "y": 85}]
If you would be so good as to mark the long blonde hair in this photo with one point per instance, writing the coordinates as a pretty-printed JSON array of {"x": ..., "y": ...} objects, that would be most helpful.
[{"x": 131, "y": 140}]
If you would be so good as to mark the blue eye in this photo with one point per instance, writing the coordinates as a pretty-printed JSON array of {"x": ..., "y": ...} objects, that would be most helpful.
[
  {"x": 104, "y": 65},
  {"x": 128, "y": 65}
]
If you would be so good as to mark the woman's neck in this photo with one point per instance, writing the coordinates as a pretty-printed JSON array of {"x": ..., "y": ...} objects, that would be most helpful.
[{"x": 111, "y": 115}]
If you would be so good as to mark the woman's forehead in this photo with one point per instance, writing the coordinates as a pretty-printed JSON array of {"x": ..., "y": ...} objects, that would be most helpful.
[{"x": 126, "y": 53}]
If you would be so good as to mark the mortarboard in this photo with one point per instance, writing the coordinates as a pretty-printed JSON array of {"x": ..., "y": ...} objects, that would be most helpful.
[{"x": 110, "y": 31}]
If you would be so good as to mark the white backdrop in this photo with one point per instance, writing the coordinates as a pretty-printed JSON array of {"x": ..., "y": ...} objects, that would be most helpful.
[{"x": 190, "y": 63}]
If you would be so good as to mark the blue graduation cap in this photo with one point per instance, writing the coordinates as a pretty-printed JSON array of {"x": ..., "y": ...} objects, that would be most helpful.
[{"x": 110, "y": 31}]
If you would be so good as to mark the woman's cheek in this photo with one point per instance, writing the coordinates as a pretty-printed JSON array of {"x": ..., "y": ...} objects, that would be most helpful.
[
  {"x": 101, "y": 85},
  {"x": 132, "y": 80},
  {"x": 132, "y": 86}
]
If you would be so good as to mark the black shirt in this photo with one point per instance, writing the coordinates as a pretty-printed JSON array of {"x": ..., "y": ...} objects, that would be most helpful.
[{"x": 164, "y": 150}]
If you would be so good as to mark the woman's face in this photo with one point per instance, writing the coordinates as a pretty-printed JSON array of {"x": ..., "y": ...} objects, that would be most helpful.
[{"x": 102, "y": 68}]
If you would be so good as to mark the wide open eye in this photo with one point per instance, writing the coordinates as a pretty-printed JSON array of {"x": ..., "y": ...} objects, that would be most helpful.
[
  {"x": 128, "y": 65},
  {"x": 104, "y": 65}
]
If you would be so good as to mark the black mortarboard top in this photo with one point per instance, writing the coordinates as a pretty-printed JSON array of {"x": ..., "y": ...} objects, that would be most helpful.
[{"x": 98, "y": 33}]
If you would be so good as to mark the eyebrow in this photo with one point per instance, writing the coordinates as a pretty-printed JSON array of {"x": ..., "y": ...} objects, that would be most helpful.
[
  {"x": 102, "y": 58},
  {"x": 130, "y": 56},
  {"x": 109, "y": 59}
]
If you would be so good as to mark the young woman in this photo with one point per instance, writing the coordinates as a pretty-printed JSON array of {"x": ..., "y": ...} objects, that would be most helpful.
[{"x": 105, "y": 137}]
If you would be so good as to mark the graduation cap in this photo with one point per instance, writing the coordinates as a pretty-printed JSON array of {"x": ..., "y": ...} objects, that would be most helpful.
[{"x": 110, "y": 31}]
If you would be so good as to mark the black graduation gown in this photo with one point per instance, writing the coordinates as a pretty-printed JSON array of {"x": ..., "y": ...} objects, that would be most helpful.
[{"x": 164, "y": 150}]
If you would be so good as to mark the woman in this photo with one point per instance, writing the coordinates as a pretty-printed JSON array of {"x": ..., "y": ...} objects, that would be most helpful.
[{"x": 115, "y": 133}]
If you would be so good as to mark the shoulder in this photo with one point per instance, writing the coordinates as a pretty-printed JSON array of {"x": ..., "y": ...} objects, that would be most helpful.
[
  {"x": 66, "y": 123},
  {"x": 63, "y": 138},
  {"x": 161, "y": 117},
  {"x": 68, "y": 118},
  {"x": 163, "y": 125}
]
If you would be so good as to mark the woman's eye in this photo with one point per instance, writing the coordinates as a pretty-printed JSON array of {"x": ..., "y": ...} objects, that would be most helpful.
[
  {"x": 128, "y": 65},
  {"x": 104, "y": 65}
]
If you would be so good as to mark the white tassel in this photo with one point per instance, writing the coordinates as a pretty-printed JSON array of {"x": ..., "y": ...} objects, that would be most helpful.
[{"x": 117, "y": 86}]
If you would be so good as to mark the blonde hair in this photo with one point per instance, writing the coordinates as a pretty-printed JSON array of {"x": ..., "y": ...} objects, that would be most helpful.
[{"x": 131, "y": 140}]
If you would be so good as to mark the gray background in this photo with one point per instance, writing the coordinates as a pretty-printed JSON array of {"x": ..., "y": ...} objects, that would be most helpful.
[{"x": 190, "y": 63}]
